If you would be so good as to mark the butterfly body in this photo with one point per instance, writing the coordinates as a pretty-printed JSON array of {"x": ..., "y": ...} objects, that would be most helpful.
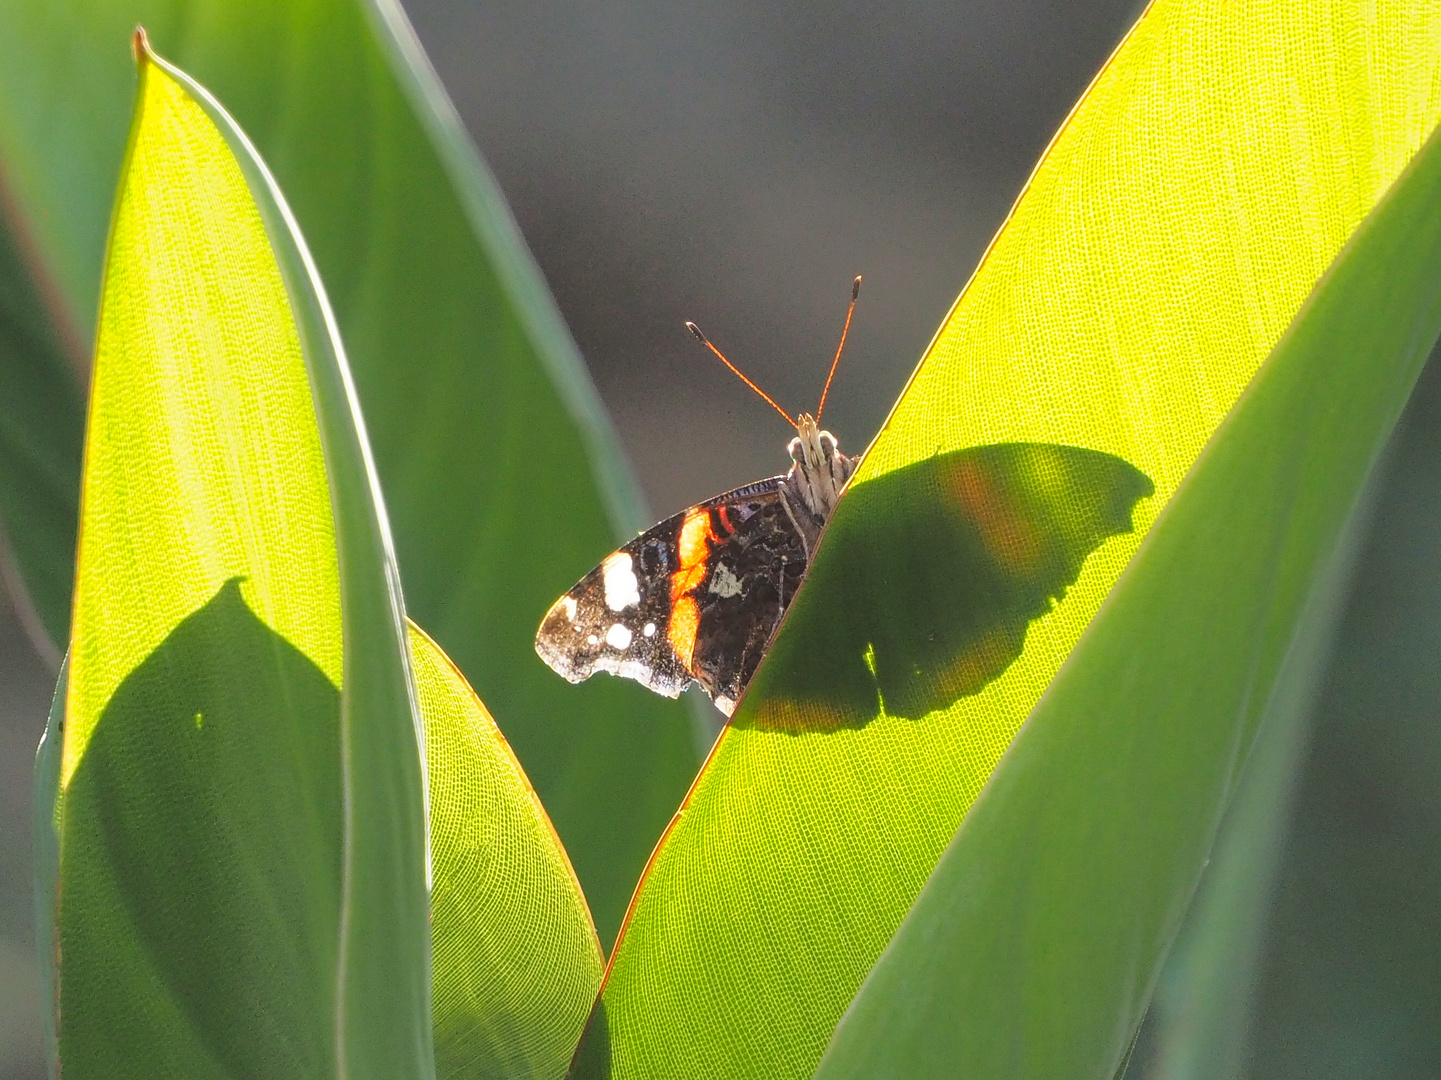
[{"x": 697, "y": 597}]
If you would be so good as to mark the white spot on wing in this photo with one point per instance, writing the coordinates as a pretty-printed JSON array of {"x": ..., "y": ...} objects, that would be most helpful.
[
  {"x": 724, "y": 582},
  {"x": 628, "y": 667},
  {"x": 621, "y": 588},
  {"x": 618, "y": 637},
  {"x": 593, "y": 640},
  {"x": 649, "y": 629},
  {"x": 641, "y": 672}
]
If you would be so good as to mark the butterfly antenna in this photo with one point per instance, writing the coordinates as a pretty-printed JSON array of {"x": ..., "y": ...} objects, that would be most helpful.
[
  {"x": 694, "y": 329},
  {"x": 855, "y": 295}
]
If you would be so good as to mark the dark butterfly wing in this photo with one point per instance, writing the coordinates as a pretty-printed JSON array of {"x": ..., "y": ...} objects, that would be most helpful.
[{"x": 696, "y": 597}]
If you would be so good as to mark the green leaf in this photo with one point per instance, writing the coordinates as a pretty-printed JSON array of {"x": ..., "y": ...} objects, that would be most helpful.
[
  {"x": 242, "y": 853},
  {"x": 517, "y": 961},
  {"x": 41, "y": 429},
  {"x": 1089, "y": 839},
  {"x": 1177, "y": 223},
  {"x": 1201, "y": 1011},
  {"x": 502, "y": 475},
  {"x": 45, "y": 834},
  {"x": 1350, "y": 975}
]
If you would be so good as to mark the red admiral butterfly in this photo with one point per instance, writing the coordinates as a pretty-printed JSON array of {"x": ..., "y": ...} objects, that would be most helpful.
[{"x": 697, "y": 597}]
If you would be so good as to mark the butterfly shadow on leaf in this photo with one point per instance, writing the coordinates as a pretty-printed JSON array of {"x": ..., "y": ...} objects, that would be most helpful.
[{"x": 929, "y": 578}]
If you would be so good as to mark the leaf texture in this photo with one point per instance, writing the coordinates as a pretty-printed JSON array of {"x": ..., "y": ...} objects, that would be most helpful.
[
  {"x": 517, "y": 961},
  {"x": 1088, "y": 842},
  {"x": 242, "y": 845}
]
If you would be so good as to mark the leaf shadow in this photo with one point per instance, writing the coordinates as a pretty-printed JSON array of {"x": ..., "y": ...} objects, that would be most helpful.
[
  {"x": 201, "y": 869},
  {"x": 929, "y": 577},
  {"x": 592, "y": 1059}
]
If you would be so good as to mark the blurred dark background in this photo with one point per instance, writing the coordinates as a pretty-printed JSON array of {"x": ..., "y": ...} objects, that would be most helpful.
[{"x": 737, "y": 162}]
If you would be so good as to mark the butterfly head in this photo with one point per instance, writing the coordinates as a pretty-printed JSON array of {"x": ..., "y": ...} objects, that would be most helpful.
[
  {"x": 811, "y": 446},
  {"x": 820, "y": 470}
]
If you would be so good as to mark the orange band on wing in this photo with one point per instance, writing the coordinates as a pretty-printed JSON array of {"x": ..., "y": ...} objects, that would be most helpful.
[
  {"x": 693, "y": 542},
  {"x": 684, "y": 622},
  {"x": 692, "y": 550}
]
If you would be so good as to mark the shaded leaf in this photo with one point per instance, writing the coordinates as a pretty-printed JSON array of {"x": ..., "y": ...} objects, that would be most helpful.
[
  {"x": 41, "y": 429},
  {"x": 942, "y": 566},
  {"x": 1350, "y": 975},
  {"x": 225, "y": 735}
]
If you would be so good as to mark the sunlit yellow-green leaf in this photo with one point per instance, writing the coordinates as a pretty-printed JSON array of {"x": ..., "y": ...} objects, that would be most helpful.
[
  {"x": 1086, "y": 844},
  {"x": 1169, "y": 236},
  {"x": 242, "y": 876},
  {"x": 517, "y": 961},
  {"x": 190, "y": 447}
]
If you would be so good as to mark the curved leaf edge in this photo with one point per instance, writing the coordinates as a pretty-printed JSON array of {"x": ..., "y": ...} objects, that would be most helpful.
[
  {"x": 45, "y": 841},
  {"x": 985, "y": 258},
  {"x": 503, "y": 744}
]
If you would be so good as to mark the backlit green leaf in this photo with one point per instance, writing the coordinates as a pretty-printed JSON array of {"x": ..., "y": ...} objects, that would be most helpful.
[
  {"x": 517, "y": 962},
  {"x": 1168, "y": 238},
  {"x": 242, "y": 847}
]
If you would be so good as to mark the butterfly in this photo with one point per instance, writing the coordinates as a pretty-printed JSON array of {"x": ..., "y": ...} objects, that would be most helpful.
[{"x": 698, "y": 597}]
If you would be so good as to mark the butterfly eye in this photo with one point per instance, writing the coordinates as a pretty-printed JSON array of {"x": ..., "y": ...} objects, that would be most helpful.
[
  {"x": 794, "y": 449},
  {"x": 828, "y": 444}
]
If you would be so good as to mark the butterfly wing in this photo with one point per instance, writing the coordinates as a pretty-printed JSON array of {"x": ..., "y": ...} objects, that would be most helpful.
[{"x": 694, "y": 598}]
